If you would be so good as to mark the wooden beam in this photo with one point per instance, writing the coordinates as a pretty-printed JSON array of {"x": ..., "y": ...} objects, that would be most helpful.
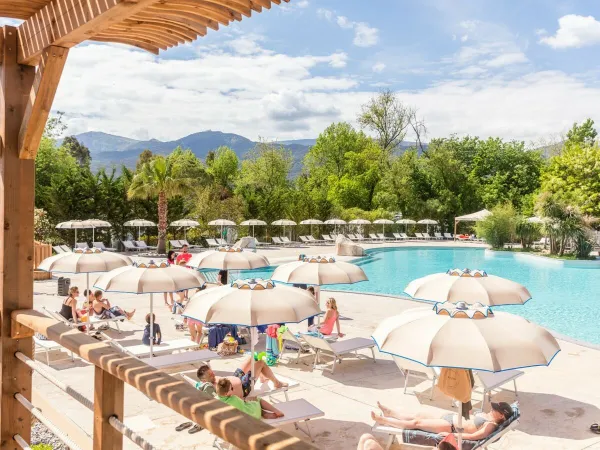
[
  {"x": 109, "y": 400},
  {"x": 16, "y": 240},
  {"x": 66, "y": 23},
  {"x": 41, "y": 97},
  {"x": 235, "y": 427}
]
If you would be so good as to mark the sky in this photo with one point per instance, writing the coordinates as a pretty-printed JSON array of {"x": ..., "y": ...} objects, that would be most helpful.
[{"x": 517, "y": 69}]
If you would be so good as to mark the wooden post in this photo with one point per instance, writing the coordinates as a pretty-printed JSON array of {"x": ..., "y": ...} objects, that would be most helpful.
[
  {"x": 108, "y": 401},
  {"x": 16, "y": 238}
]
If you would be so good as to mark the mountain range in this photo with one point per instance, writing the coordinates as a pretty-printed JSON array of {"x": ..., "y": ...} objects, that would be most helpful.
[{"x": 109, "y": 150}]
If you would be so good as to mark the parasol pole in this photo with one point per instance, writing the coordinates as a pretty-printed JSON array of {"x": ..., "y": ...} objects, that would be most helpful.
[
  {"x": 460, "y": 430},
  {"x": 151, "y": 325},
  {"x": 75, "y": 244},
  {"x": 184, "y": 236},
  {"x": 93, "y": 234}
]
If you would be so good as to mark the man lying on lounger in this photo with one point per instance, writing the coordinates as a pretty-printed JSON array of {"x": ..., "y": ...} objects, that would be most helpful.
[
  {"x": 480, "y": 427},
  {"x": 241, "y": 380}
]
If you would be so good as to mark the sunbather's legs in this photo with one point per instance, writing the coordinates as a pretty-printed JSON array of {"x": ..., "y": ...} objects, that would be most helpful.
[
  {"x": 368, "y": 442},
  {"x": 430, "y": 425},
  {"x": 261, "y": 370},
  {"x": 397, "y": 414},
  {"x": 266, "y": 406}
]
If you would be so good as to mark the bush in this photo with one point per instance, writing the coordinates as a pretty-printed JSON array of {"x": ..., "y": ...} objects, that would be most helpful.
[
  {"x": 527, "y": 232},
  {"x": 41, "y": 447},
  {"x": 499, "y": 227}
]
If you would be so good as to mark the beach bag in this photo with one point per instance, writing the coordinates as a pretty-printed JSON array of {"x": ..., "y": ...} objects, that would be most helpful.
[{"x": 228, "y": 347}]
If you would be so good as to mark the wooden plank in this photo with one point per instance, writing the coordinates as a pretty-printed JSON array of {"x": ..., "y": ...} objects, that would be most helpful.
[
  {"x": 224, "y": 421},
  {"x": 169, "y": 21},
  {"x": 41, "y": 97},
  {"x": 109, "y": 400},
  {"x": 16, "y": 239},
  {"x": 66, "y": 23},
  {"x": 18, "y": 331}
]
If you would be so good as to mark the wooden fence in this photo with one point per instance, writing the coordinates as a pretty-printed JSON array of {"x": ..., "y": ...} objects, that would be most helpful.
[{"x": 41, "y": 251}]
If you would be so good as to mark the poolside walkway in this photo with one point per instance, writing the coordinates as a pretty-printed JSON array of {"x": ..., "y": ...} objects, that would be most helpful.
[{"x": 558, "y": 402}]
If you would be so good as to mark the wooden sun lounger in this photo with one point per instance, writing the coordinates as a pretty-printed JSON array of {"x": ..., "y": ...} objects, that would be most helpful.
[{"x": 338, "y": 349}]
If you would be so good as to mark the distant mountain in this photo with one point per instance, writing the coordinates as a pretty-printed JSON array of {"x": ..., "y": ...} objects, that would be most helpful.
[{"x": 108, "y": 150}]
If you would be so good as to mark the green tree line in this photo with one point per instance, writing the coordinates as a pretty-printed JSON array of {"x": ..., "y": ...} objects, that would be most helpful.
[{"x": 347, "y": 174}]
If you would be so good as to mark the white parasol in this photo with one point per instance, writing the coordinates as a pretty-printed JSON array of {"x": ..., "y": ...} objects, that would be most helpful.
[
  {"x": 96, "y": 223},
  {"x": 185, "y": 223},
  {"x": 139, "y": 223},
  {"x": 221, "y": 223}
]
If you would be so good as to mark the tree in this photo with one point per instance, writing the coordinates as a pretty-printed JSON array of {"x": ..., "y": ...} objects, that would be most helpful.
[
  {"x": 584, "y": 134},
  {"x": 77, "y": 150},
  {"x": 157, "y": 179},
  {"x": 499, "y": 227},
  {"x": 143, "y": 158},
  {"x": 264, "y": 181},
  {"x": 224, "y": 168},
  {"x": 573, "y": 178},
  {"x": 387, "y": 117}
]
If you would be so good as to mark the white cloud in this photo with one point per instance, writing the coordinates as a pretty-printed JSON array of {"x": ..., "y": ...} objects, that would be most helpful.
[
  {"x": 338, "y": 60},
  {"x": 464, "y": 38},
  {"x": 574, "y": 31},
  {"x": 247, "y": 45},
  {"x": 364, "y": 34},
  {"x": 378, "y": 67},
  {"x": 506, "y": 59},
  {"x": 302, "y": 3}
]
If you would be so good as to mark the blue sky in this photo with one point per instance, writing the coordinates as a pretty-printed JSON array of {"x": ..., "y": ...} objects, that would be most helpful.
[{"x": 519, "y": 69}]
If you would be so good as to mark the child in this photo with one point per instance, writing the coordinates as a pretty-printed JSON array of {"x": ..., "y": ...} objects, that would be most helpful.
[
  {"x": 255, "y": 408},
  {"x": 157, "y": 337}
]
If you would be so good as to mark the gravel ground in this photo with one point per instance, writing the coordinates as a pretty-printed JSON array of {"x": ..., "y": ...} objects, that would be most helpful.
[{"x": 42, "y": 435}]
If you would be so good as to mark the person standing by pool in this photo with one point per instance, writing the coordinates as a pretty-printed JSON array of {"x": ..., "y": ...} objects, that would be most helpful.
[
  {"x": 313, "y": 292},
  {"x": 171, "y": 261},
  {"x": 332, "y": 317}
]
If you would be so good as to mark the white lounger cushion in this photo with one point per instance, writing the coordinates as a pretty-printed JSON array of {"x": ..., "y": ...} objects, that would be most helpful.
[
  {"x": 164, "y": 347},
  {"x": 180, "y": 359},
  {"x": 262, "y": 389},
  {"x": 490, "y": 380},
  {"x": 295, "y": 411},
  {"x": 351, "y": 345}
]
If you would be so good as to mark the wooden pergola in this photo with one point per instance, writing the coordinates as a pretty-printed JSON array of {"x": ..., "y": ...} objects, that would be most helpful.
[{"x": 32, "y": 58}]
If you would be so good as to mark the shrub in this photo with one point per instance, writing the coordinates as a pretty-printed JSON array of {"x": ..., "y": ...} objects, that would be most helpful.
[
  {"x": 527, "y": 232},
  {"x": 499, "y": 227},
  {"x": 41, "y": 447}
]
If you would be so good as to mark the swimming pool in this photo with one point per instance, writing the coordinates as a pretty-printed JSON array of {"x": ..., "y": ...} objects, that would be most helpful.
[{"x": 564, "y": 299}]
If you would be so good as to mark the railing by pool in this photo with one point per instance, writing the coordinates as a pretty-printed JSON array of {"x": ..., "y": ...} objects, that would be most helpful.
[{"x": 114, "y": 368}]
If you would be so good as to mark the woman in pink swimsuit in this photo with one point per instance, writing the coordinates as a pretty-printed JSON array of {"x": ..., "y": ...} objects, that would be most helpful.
[{"x": 332, "y": 317}]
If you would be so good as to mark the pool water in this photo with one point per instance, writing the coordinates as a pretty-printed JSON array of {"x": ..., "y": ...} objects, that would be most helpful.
[{"x": 564, "y": 299}]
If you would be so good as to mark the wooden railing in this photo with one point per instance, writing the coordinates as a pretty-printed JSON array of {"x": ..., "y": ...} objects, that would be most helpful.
[
  {"x": 41, "y": 251},
  {"x": 114, "y": 368}
]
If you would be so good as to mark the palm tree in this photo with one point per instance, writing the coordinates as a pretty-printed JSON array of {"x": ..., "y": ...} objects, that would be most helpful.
[{"x": 156, "y": 179}]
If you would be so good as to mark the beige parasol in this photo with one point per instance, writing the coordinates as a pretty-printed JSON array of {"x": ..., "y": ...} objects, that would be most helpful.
[
  {"x": 470, "y": 286},
  {"x": 150, "y": 278},
  {"x": 90, "y": 260},
  {"x": 228, "y": 258},
  {"x": 317, "y": 270},
  {"x": 251, "y": 303}
]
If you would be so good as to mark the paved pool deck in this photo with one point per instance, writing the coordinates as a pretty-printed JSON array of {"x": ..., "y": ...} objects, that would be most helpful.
[{"x": 558, "y": 402}]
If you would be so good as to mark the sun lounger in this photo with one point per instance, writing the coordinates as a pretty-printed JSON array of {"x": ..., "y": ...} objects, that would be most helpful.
[
  {"x": 448, "y": 236},
  {"x": 419, "y": 236},
  {"x": 175, "y": 244},
  {"x": 92, "y": 321},
  {"x": 47, "y": 346},
  {"x": 102, "y": 247},
  {"x": 338, "y": 349},
  {"x": 382, "y": 237},
  {"x": 405, "y": 236},
  {"x": 423, "y": 439},
  {"x": 315, "y": 241},
  {"x": 277, "y": 241},
  {"x": 304, "y": 240},
  {"x": 130, "y": 246},
  {"x": 180, "y": 359},
  {"x": 490, "y": 381},
  {"x": 211, "y": 242},
  {"x": 438, "y": 236},
  {"x": 359, "y": 237},
  {"x": 82, "y": 245},
  {"x": 66, "y": 248},
  {"x": 185, "y": 242},
  {"x": 375, "y": 238},
  {"x": 142, "y": 350},
  {"x": 143, "y": 246},
  {"x": 426, "y": 236},
  {"x": 58, "y": 249},
  {"x": 409, "y": 368},
  {"x": 397, "y": 236},
  {"x": 287, "y": 241},
  {"x": 221, "y": 241}
]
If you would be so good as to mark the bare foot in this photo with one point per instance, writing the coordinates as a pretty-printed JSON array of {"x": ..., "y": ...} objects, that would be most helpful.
[
  {"x": 376, "y": 417},
  {"x": 384, "y": 409},
  {"x": 130, "y": 314},
  {"x": 278, "y": 413},
  {"x": 279, "y": 384}
]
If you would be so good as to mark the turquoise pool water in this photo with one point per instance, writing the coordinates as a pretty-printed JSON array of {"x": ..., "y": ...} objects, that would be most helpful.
[{"x": 564, "y": 299}]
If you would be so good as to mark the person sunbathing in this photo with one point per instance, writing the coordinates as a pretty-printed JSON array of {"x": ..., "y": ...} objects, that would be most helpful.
[
  {"x": 480, "y": 427},
  {"x": 255, "y": 408},
  {"x": 241, "y": 379},
  {"x": 103, "y": 309},
  {"x": 368, "y": 442}
]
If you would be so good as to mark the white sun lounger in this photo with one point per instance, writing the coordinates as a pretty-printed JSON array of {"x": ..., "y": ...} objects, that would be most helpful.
[
  {"x": 394, "y": 433},
  {"x": 298, "y": 341},
  {"x": 338, "y": 349},
  {"x": 82, "y": 245},
  {"x": 409, "y": 368},
  {"x": 286, "y": 240},
  {"x": 58, "y": 249},
  {"x": 277, "y": 241},
  {"x": 142, "y": 350},
  {"x": 490, "y": 381},
  {"x": 92, "y": 321},
  {"x": 211, "y": 242},
  {"x": 315, "y": 241},
  {"x": 448, "y": 236},
  {"x": 438, "y": 236},
  {"x": 181, "y": 359},
  {"x": 101, "y": 246},
  {"x": 66, "y": 248},
  {"x": 47, "y": 346}
]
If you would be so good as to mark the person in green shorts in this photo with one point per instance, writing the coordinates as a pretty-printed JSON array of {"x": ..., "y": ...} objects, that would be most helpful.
[{"x": 255, "y": 408}]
